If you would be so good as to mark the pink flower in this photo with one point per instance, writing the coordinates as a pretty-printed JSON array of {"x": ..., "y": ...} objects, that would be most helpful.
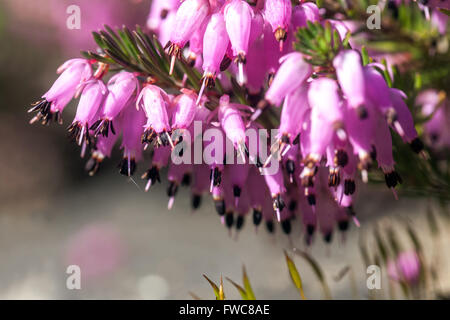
[
  {"x": 215, "y": 44},
  {"x": 155, "y": 101},
  {"x": 403, "y": 121},
  {"x": 278, "y": 14},
  {"x": 303, "y": 13},
  {"x": 291, "y": 74},
  {"x": 184, "y": 109},
  {"x": 238, "y": 20},
  {"x": 74, "y": 73},
  {"x": 232, "y": 124},
  {"x": 405, "y": 268},
  {"x": 91, "y": 99},
  {"x": 189, "y": 17},
  {"x": 349, "y": 71},
  {"x": 121, "y": 88},
  {"x": 132, "y": 128}
]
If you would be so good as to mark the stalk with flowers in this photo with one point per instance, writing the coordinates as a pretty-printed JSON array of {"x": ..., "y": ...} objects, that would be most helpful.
[{"x": 342, "y": 109}]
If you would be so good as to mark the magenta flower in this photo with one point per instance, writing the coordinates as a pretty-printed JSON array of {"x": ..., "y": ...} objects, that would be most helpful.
[
  {"x": 238, "y": 20},
  {"x": 74, "y": 73},
  {"x": 303, "y": 13},
  {"x": 190, "y": 16},
  {"x": 291, "y": 74},
  {"x": 292, "y": 115},
  {"x": 121, "y": 88},
  {"x": 154, "y": 101},
  {"x": 278, "y": 14},
  {"x": 233, "y": 125},
  {"x": 91, "y": 99},
  {"x": 184, "y": 109},
  {"x": 405, "y": 268},
  {"x": 275, "y": 183},
  {"x": 349, "y": 71},
  {"x": 215, "y": 44},
  {"x": 403, "y": 121},
  {"x": 132, "y": 128}
]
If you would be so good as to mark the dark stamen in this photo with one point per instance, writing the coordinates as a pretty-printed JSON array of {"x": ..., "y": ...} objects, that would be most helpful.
[
  {"x": 286, "y": 226},
  {"x": 257, "y": 217}
]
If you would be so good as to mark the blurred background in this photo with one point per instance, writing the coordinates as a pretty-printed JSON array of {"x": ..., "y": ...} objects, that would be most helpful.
[{"x": 52, "y": 214}]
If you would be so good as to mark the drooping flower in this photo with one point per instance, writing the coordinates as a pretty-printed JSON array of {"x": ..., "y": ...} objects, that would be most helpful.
[
  {"x": 132, "y": 128},
  {"x": 278, "y": 14},
  {"x": 189, "y": 17},
  {"x": 74, "y": 73},
  {"x": 121, "y": 88},
  {"x": 91, "y": 99},
  {"x": 238, "y": 20},
  {"x": 294, "y": 70},
  {"x": 215, "y": 44},
  {"x": 349, "y": 71}
]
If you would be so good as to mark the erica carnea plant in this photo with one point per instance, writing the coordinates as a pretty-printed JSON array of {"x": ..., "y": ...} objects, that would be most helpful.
[{"x": 339, "y": 94}]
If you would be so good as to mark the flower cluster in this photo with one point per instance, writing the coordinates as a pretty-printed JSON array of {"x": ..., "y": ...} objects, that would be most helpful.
[{"x": 335, "y": 120}]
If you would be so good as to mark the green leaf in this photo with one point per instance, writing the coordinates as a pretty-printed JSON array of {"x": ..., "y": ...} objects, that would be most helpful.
[
  {"x": 444, "y": 11},
  {"x": 365, "y": 56},
  {"x": 295, "y": 276},
  {"x": 317, "y": 270},
  {"x": 247, "y": 285},
  {"x": 241, "y": 290},
  {"x": 214, "y": 286}
]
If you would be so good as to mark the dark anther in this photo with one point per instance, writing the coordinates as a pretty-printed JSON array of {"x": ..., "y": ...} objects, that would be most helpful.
[
  {"x": 328, "y": 237},
  {"x": 392, "y": 179},
  {"x": 196, "y": 201},
  {"x": 148, "y": 136},
  {"x": 216, "y": 175},
  {"x": 293, "y": 205},
  {"x": 362, "y": 113},
  {"x": 392, "y": 6},
  {"x": 102, "y": 127},
  {"x": 172, "y": 189},
  {"x": 123, "y": 166},
  {"x": 220, "y": 207},
  {"x": 270, "y": 226},
  {"x": 290, "y": 167},
  {"x": 311, "y": 199},
  {"x": 152, "y": 174},
  {"x": 237, "y": 191},
  {"x": 341, "y": 158},
  {"x": 349, "y": 187},
  {"x": 343, "y": 225},
  {"x": 373, "y": 153},
  {"x": 44, "y": 113},
  {"x": 164, "y": 13},
  {"x": 226, "y": 62},
  {"x": 334, "y": 179},
  {"x": 417, "y": 145},
  {"x": 241, "y": 58},
  {"x": 164, "y": 137},
  {"x": 278, "y": 203},
  {"x": 280, "y": 34},
  {"x": 286, "y": 226},
  {"x": 350, "y": 211},
  {"x": 296, "y": 140},
  {"x": 285, "y": 139},
  {"x": 310, "y": 229},
  {"x": 186, "y": 181},
  {"x": 259, "y": 163},
  {"x": 240, "y": 222},
  {"x": 229, "y": 220},
  {"x": 257, "y": 217}
]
